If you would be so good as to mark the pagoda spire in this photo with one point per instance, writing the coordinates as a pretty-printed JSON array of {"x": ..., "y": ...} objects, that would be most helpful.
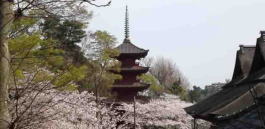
[{"x": 126, "y": 25}]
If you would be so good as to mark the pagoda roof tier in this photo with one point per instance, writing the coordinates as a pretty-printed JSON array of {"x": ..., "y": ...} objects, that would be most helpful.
[
  {"x": 132, "y": 56},
  {"x": 127, "y": 49},
  {"x": 138, "y": 86},
  {"x": 138, "y": 69}
]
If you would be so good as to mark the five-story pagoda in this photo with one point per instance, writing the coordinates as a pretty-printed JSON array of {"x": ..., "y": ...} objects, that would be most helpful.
[{"x": 126, "y": 88}]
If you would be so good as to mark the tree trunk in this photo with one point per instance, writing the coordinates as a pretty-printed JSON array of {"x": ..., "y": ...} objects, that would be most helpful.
[{"x": 6, "y": 19}]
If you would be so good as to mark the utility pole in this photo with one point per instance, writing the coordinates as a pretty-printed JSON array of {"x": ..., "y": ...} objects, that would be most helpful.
[
  {"x": 194, "y": 123},
  {"x": 134, "y": 112}
]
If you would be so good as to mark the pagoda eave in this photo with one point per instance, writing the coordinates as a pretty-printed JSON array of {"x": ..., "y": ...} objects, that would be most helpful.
[
  {"x": 140, "y": 87},
  {"x": 132, "y": 70},
  {"x": 132, "y": 55}
]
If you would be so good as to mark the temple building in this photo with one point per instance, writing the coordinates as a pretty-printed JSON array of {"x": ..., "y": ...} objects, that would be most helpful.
[
  {"x": 127, "y": 88},
  {"x": 241, "y": 103}
]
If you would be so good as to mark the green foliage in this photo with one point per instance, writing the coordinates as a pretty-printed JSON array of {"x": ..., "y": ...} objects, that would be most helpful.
[
  {"x": 72, "y": 32},
  {"x": 67, "y": 33},
  {"x": 196, "y": 94},
  {"x": 99, "y": 78},
  {"x": 102, "y": 45},
  {"x": 41, "y": 76},
  {"x": 22, "y": 25},
  {"x": 50, "y": 27},
  {"x": 155, "y": 90},
  {"x": 50, "y": 53},
  {"x": 176, "y": 89},
  {"x": 34, "y": 49},
  {"x": 107, "y": 53},
  {"x": 19, "y": 74},
  {"x": 32, "y": 54},
  {"x": 180, "y": 91},
  {"x": 24, "y": 44},
  {"x": 104, "y": 39},
  {"x": 73, "y": 74}
]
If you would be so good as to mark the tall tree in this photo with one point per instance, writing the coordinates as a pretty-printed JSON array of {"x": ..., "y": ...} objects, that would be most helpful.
[
  {"x": 68, "y": 33},
  {"x": 155, "y": 89},
  {"x": 100, "y": 51},
  {"x": 196, "y": 94},
  {"x": 37, "y": 67},
  {"x": 42, "y": 8},
  {"x": 168, "y": 73},
  {"x": 6, "y": 18}
]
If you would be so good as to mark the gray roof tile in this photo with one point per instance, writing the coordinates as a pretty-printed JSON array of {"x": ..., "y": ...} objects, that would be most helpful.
[{"x": 128, "y": 48}]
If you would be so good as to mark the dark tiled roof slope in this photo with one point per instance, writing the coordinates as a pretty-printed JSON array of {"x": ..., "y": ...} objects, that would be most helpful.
[
  {"x": 236, "y": 96},
  {"x": 258, "y": 61},
  {"x": 244, "y": 58},
  {"x": 128, "y": 48}
]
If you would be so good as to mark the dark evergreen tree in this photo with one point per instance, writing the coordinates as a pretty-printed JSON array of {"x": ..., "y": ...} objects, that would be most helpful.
[{"x": 67, "y": 33}]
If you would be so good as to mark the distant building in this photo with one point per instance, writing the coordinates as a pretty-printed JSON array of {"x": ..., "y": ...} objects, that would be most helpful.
[
  {"x": 213, "y": 88},
  {"x": 127, "y": 88},
  {"x": 240, "y": 104}
]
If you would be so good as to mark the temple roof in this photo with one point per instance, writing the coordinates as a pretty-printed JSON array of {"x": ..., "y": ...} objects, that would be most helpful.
[
  {"x": 236, "y": 96},
  {"x": 244, "y": 58},
  {"x": 259, "y": 57},
  {"x": 128, "y": 48},
  {"x": 227, "y": 102}
]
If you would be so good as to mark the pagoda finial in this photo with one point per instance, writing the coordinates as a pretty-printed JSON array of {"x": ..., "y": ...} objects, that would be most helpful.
[{"x": 126, "y": 24}]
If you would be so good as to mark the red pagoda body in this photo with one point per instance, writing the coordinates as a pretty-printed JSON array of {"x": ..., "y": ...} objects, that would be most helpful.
[{"x": 129, "y": 85}]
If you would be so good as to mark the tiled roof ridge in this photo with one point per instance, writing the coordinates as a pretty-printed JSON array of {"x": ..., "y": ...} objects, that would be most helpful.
[
  {"x": 247, "y": 46},
  {"x": 128, "y": 45},
  {"x": 243, "y": 62},
  {"x": 137, "y": 46},
  {"x": 259, "y": 56}
]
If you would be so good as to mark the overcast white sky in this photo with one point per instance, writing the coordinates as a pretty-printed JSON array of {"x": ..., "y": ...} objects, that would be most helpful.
[{"x": 201, "y": 36}]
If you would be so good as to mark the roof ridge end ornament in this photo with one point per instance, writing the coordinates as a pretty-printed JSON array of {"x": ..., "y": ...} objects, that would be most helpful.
[
  {"x": 262, "y": 35},
  {"x": 241, "y": 48}
]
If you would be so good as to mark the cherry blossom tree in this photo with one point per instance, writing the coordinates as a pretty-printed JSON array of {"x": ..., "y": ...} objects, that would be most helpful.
[{"x": 10, "y": 11}]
